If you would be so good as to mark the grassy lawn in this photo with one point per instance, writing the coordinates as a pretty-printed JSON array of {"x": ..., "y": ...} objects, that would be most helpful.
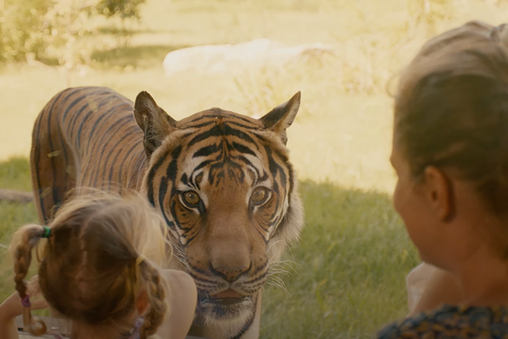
[
  {"x": 14, "y": 174},
  {"x": 346, "y": 276}
]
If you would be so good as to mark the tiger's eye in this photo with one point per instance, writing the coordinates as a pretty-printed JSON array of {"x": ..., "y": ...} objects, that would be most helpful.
[
  {"x": 191, "y": 198},
  {"x": 259, "y": 195}
]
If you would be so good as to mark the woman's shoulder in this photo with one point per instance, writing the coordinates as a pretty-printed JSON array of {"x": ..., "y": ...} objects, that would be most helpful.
[{"x": 451, "y": 321}]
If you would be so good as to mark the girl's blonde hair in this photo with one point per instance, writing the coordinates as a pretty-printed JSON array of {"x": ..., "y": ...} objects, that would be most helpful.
[{"x": 103, "y": 251}]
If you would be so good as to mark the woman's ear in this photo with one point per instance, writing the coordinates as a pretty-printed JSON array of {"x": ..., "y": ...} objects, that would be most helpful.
[
  {"x": 439, "y": 193},
  {"x": 142, "y": 303}
]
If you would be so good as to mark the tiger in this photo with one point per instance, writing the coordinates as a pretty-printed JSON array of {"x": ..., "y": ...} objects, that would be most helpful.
[{"x": 221, "y": 180}]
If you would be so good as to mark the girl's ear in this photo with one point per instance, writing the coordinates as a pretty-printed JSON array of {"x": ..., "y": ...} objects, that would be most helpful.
[{"x": 142, "y": 303}]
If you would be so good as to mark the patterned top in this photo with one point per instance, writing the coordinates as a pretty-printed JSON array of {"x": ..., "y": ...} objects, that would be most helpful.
[{"x": 457, "y": 322}]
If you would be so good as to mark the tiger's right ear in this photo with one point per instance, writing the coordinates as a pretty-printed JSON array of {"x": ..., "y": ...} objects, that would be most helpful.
[{"x": 153, "y": 120}]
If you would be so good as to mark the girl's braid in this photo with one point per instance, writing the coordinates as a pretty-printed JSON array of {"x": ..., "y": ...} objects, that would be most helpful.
[
  {"x": 22, "y": 259},
  {"x": 156, "y": 293}
]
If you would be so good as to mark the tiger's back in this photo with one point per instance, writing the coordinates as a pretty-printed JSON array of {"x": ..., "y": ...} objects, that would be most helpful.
[{"x": 78, "y": 140}]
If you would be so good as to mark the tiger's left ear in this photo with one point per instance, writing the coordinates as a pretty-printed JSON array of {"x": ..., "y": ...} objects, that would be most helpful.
[
  {"x": 153, "y": 120},
  {"x": 282, "y": 116}
]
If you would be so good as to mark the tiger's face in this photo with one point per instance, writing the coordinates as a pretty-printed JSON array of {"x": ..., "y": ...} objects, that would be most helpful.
[{"x": 225, "y": 186}]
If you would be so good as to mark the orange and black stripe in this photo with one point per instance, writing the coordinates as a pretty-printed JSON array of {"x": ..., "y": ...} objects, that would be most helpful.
[{"x": 84, "y": 137}]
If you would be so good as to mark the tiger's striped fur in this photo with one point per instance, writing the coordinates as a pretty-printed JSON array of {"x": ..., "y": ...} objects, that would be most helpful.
[{"x": 222, "y": 181}]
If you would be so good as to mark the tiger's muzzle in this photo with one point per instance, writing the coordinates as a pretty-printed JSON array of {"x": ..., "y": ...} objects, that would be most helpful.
[
  {"x": 220, "y": 307},
  {"x": 232, "y": 295}
]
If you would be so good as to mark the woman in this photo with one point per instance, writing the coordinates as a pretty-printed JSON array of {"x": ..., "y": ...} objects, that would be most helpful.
[{"x": 450, "y": 152}]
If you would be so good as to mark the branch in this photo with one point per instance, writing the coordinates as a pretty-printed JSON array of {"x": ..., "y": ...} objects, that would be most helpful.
[{"x": 15, "y": 196}]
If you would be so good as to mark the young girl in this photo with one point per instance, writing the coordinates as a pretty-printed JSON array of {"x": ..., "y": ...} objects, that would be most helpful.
[
  {"x": 101, "y": 269},
  {"x": 450, "y": 152}
]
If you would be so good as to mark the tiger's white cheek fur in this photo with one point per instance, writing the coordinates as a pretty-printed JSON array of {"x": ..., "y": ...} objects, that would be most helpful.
[
  {"x": 191, "y": 163},
  {"x": 183, "y": 241}
]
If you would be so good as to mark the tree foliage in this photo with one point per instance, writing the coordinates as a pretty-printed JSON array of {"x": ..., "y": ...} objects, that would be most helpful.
[
  {"x": 23, "y": 28},
  {"x": 120, "y": 8},
  {"x": 36, "y": 29}
]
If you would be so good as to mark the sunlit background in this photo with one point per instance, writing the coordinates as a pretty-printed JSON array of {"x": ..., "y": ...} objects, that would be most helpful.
[{"x": 345, "y": 278}]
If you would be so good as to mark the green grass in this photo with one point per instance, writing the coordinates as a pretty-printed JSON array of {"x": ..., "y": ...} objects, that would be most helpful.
[
  {"x": 345, "y": 278},
  {"x": 347, "y": 273},
  {"x": 14, "y": 174}
]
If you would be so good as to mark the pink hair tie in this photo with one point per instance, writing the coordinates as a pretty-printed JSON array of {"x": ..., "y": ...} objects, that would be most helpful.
[{"x": 26, "y": 301}]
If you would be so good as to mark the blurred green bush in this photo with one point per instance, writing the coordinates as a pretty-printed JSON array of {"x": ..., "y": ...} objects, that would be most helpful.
[
  {"x": 48, "y": 29},
  {"x": 23, "y": 28},
  {"x": 120, "y": 8}
]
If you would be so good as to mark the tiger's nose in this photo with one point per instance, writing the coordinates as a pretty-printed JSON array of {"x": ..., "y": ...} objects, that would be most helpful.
[{"x": 230, "y": 274}]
